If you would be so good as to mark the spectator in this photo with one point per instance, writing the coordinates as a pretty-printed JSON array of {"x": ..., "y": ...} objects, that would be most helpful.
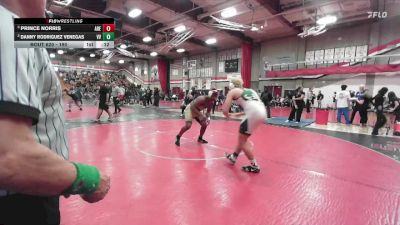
[
  {"x": 266, "y": 98},
  {"x": 343, "y": 102},
  {"x": 309, "y": 99},
  {"x": 149, "y": 95},
  {"x": 378, "y": 101},
  {"x": 297, "y": 105},
  {"x": 115, "y": 93},
  {"x": 394, "y": 105},
  {"x": 156, "y": 97},
  {"x": 360, "y": 106},
  {"x": 320, "y": 97},
  {"x": 334, "y": 100}
]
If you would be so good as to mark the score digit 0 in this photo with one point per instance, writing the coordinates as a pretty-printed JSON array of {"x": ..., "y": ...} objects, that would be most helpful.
[{"x": 108, "y": 27}]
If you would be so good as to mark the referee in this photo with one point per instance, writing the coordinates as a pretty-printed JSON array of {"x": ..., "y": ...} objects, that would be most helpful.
[{"x": 34, "y": 170}]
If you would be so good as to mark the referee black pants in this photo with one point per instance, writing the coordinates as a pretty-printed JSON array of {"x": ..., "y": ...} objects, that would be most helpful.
[
  {"x": 296, "y": 112},
  {"x": 21, "y": 209}
]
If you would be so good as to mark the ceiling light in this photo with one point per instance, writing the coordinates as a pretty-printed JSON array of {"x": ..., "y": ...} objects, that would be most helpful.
[
  {"x": 52, "y": 55},
  {"x": 60, "y": 52},
  {"x": 134, "y": 13},
  {"x": 228, "y": 12},
  {"x": 211, "y": 41},
  {"x": 82, "y": 59},
  {"x": 107, "y": 61},
  {"x": 121, "y": 61},
  {"x": 147, "y": 39},
  {"x": 180, "y": 28},
  {"x": 92, "y": 55},
  {"x": 327, "y": 20},
  {"x": 106, "y": 52},
  {"x": 123, "y": 46},
  {"x": 180, "y": 50},
  {"x": 153, "y": 54},
  {"x": 254, "y": 28}
]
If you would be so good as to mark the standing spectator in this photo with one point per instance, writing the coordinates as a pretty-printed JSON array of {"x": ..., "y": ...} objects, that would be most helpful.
[
  {"x": 320, "y": 97},
  {"x": 34, "y": 150},
  {"x": 128, "y": 95},
  {"x": 149, "y": 95},
  {"x": 104, "y": 101},
  {"x": 378, "y": 101},
  {"x": 343, "y": 102},
  {"x": 334, "y": 100},
  {"x": 156, "y": 97},
  {"x": 122, "y": 93},
  {"x": 142, "y": 96},
  {"x": 360, "y": 106},
  {"x": 115, "y": 93},
  {"x": 74, "y": 98},
  {"x": 309, "y": 99},
  {"x": 221, "y": 97},
  {"x": 297, "y": 105},
  {"x": 312, "y": 99},
  {"x": 394, "y": 105},
  {"x": 194, "y": 93},
  {"x": 266, "y": 98}
]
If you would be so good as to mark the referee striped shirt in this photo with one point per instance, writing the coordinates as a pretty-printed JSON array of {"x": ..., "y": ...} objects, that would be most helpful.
[{"x": 29, "y": 87}]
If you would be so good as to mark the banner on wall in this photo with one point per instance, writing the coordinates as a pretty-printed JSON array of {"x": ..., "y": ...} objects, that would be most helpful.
[
  {"x": 175, "y": 72},
  {"x": 309, "y": 58},
  {"x": 199, "y": 83},
  {"x": 319, "y": 56},
  {"x": 221, "y": 67},
  {"x": 350, "y": 52},
  {"x": 192, "y": 83},
  {"x": 339, "y": 55},
  {"x": 208, "y": 83},
  {"x": 361, "y": 51},
  {"x": 154, "y": 73},
  {"x": 329, "y": 55}
]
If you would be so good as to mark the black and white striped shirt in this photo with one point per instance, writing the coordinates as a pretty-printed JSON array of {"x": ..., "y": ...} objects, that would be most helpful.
[{"x": 29, "y": 87}]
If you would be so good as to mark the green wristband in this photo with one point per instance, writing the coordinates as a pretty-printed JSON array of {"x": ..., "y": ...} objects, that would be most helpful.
[{"x": 87, "y": 180}]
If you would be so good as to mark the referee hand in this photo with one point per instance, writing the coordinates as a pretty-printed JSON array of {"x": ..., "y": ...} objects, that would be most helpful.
[{"x": 101, "y": 191}]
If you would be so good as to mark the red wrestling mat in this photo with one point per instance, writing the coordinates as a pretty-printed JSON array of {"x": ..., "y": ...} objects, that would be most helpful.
[
  {"x": 306, "y": 178},
  {"x": 90, "y": 112}
]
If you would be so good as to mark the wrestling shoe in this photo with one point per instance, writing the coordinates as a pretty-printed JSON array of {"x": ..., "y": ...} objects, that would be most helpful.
[
  {"x": 231, "y": 157},
  {"x": 201, "y": 140},
  {"x": 178, "y": 141},
  {"x": 251, "y": 168}
]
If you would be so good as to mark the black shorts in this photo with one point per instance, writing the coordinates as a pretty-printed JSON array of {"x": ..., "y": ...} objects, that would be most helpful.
[
  {"x": 244, "y": 127},
  {"x": 103, "y": 106},
  {"x": 25, "y": 209}
]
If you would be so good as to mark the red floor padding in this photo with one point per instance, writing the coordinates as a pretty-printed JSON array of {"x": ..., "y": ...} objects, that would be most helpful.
[
  {"x": 306, "y": 178},
  {"x": 90, "y": 112}
]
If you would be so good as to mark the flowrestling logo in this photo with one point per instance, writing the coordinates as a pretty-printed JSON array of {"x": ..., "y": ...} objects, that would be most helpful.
[{"x": 377, "y": 14}]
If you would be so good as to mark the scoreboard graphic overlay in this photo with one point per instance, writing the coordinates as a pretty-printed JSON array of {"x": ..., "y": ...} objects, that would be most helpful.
[{"x": 64, "y": 33}]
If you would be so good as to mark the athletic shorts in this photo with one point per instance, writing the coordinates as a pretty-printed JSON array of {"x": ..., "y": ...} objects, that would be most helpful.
[
  {"x": 248, "y": 126},
  {"x": 253, "y": 119},
  {"x": 103, "y": 106},
  {"x": 189, "y": 116}
]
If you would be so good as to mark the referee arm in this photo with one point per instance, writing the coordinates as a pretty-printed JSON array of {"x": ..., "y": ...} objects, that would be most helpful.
[{"x": 27, "y": 166}]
